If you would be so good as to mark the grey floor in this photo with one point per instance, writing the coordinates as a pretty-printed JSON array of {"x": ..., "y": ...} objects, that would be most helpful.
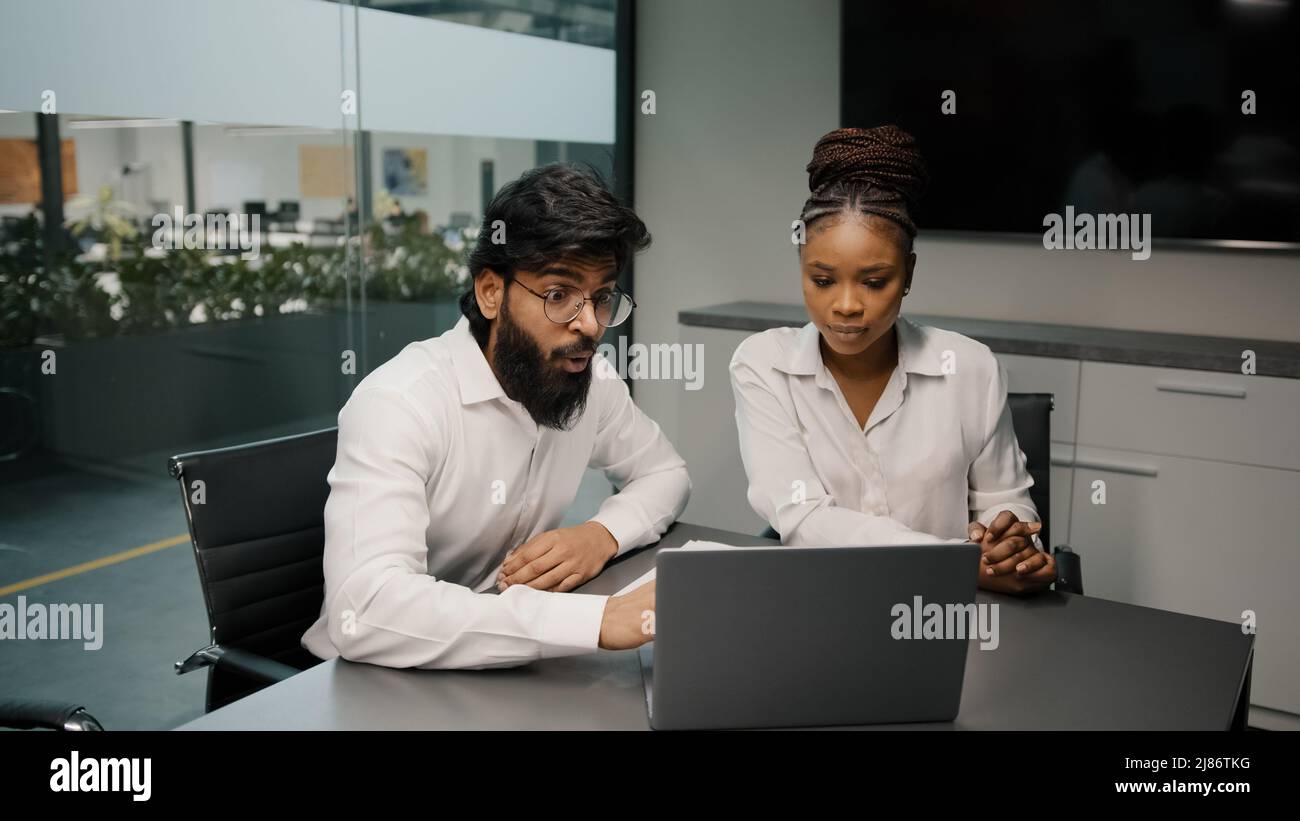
[{"x": 54, "y": 516}]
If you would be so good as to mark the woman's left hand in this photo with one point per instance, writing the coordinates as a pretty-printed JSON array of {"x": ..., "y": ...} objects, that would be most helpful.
[{"x": 1010, "y": 562}]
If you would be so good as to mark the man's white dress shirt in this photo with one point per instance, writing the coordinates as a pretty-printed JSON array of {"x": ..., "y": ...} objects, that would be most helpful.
[
  {"x": 937, "y": 452},
  {"x": 438, "y": 475}
]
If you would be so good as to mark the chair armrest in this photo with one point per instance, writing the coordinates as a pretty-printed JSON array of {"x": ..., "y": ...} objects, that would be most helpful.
[
  {"x": 33, "y": 713},
  {"x": 1069, "y": 570},
  {"x": 255, "y": 666},
  {"x": 235, "y": 660}
]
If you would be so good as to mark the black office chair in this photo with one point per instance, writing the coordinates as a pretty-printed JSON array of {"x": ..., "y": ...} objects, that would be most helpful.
[
  {"x": 257, "y": 523},
  {"x": 1031, "y": 415}
]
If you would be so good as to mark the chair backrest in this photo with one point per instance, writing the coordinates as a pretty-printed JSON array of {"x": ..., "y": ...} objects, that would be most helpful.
[
  {"x": 257, "y": 522},
  {"x": 1031, "y": 416}
]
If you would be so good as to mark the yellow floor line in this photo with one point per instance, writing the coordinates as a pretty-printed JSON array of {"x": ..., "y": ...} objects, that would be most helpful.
[{"x": 86, "y": 567}]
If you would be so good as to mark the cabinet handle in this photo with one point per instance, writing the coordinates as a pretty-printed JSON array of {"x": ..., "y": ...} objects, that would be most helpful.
[
  {"x": 1203, "y": 390},
  {"x": 1116, "y": 467}
]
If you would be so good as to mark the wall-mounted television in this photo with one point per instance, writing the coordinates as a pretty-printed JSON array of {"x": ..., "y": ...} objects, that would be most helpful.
[{"x": 1125, "y": 107}]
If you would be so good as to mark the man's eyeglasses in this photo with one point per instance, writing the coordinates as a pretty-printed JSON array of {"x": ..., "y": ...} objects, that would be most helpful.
[{"x": 563, "y": 303}]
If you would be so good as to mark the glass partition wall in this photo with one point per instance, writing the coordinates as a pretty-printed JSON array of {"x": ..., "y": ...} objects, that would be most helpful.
[{"x": 212, "y": 227}]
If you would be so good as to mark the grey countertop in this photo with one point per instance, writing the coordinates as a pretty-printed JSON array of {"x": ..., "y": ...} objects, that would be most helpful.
[{"x": 1206, "y": 353}]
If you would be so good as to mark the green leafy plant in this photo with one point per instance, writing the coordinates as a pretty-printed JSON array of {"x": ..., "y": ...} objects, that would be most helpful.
[
  {"x": 413, "y": 267},
  {"x": 35, "y": 301},
  {"x": 103, "y": 217},
  {"x": 156, "y": 293}
]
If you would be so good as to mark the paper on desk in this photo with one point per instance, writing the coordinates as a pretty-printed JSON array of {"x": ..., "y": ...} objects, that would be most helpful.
[{"x": 693, "y": 544}]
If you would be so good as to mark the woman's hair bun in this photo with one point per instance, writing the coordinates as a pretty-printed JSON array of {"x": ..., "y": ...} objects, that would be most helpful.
[{"x": 884, "y": 157}]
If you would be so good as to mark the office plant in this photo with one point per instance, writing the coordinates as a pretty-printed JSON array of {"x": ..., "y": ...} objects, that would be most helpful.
[{"x": 190, "y": 322}]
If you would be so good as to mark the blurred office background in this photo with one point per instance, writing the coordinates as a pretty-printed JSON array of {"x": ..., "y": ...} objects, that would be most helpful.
[{"x": 235, "y": 107}]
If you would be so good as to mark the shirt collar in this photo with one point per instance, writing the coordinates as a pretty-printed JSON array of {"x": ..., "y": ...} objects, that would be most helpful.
[
  {"x": 473, "y": 373},
  {"x": 916, "y": 351}
]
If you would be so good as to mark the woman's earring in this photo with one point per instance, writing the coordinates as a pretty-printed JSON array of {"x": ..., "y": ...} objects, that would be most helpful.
[{"x": 905, "y": 290}]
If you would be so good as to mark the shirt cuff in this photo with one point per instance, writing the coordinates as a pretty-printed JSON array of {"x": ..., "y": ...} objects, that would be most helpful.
[
  {"x": 625, "y": 530},
  {"x": 572, "y": 623}
]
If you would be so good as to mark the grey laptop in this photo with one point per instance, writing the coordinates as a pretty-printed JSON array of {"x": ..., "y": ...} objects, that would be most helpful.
[{"x": 804, "y": 636}]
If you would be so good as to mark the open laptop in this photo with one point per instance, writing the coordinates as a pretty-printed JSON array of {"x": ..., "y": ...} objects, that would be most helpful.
[{"x": 805, "y": 636}]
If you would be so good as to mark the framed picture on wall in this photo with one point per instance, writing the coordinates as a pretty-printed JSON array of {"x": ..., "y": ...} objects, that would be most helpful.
[{"x": 406, "y": 170}]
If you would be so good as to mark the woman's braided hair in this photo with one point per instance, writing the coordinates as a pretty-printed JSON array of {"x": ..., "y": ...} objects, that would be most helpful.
[{"x": 876, "y": 171}]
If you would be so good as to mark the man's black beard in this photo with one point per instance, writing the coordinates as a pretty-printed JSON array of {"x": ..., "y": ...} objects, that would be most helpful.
[{"x": 553, "y": 397}]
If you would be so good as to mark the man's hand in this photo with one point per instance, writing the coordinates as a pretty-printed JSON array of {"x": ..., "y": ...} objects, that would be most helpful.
[
  {"x": 629, "y": 620},
  {"x": 559, "y": 560},
  {"x": 1010, "y": 562}
]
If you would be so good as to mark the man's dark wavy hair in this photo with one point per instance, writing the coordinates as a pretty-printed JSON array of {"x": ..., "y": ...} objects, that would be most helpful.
[{"x": 554, "y": 212}]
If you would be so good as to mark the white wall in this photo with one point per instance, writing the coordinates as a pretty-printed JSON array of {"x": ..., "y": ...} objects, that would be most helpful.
[
  {"x": 163, "y": 151},
  {"x": 232, "y": 169},
  {"x": 743, "y": 89},
  {"x": 269, "y": 167},
  {"x": 101, "y": 154},
  {"x": 1202, "y": 291},
  {"x": 228, "y": 170}
]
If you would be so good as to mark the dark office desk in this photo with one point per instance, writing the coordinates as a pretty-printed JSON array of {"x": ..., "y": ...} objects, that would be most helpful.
[{"x": 1064, "y": 662}]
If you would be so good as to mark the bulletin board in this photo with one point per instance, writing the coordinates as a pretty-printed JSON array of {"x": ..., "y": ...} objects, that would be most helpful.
[
  {"x": 326, "y": 171},
  {"x": 20, "y": 170}
]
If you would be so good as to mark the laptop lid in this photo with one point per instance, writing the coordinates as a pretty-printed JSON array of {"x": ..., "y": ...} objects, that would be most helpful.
[{"x": 809, "y": 636}]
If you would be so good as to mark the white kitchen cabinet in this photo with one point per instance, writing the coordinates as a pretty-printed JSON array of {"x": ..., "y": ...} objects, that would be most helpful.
[
  {"x": 1194, "y": 536},
  {"x": 1226, "y": 417},
  {"x": 1062, "y": 478}
]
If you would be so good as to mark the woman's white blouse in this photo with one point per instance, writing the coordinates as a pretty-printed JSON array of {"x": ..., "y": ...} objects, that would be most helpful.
[{"x": 937, "y": 452}]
